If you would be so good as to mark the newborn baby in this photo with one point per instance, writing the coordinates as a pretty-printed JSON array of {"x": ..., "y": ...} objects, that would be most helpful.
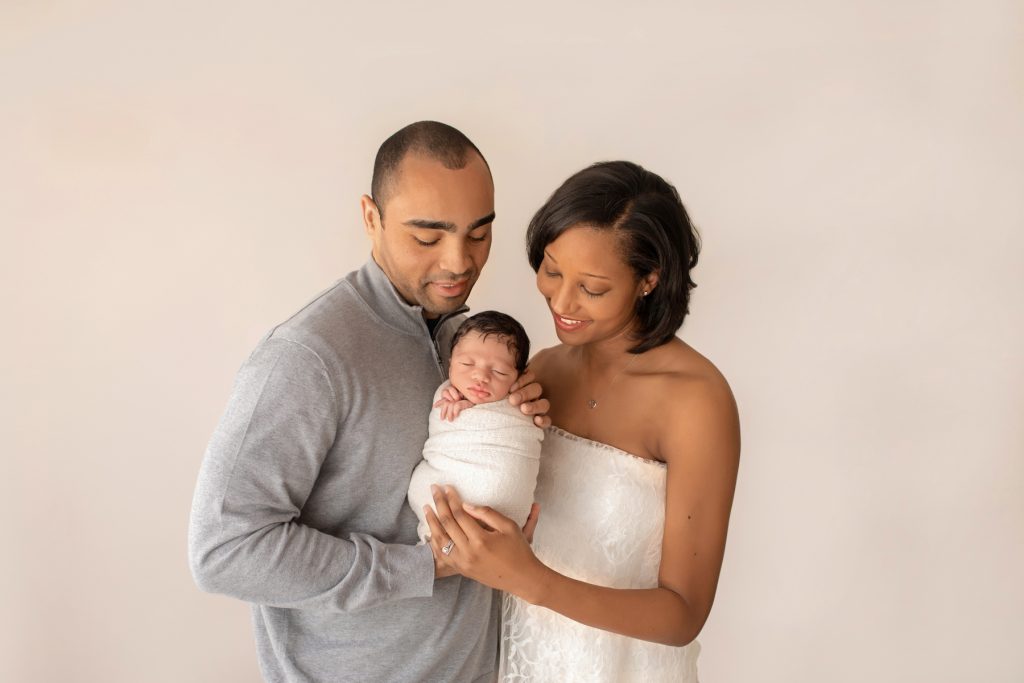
[{"x": 479, "y": 443}]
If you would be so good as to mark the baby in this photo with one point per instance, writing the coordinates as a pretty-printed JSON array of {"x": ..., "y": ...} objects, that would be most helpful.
[{"x": 479, "y": 443}]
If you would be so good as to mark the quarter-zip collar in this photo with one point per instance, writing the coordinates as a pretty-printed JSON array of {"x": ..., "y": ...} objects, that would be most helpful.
[{"x": 374, "y": 287}]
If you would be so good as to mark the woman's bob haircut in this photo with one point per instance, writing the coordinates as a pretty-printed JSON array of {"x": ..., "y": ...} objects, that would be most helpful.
[{"x": 654, "y": 233}]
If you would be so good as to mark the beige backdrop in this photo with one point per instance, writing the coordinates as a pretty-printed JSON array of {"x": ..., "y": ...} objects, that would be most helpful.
[{"x": 176, "y": 177}]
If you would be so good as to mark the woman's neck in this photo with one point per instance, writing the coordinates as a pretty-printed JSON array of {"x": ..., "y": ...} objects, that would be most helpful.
[{"x": 607, "y": 355}]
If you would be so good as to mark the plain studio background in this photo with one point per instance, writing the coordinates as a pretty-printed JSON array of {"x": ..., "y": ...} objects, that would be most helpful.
[{"x": 177, "y": 177}]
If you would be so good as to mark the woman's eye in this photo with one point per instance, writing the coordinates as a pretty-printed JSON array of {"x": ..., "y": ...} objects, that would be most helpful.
[
  {"x": 592, "y": 295},
  {"x": 550, "y": 273}
]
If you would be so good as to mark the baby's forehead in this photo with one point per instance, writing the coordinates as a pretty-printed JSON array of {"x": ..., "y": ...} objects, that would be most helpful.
[{"x": 485, "y": 342}]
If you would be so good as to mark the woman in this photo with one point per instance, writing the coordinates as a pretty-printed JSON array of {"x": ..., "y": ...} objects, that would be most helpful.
[{"x": 639, "y": 466}]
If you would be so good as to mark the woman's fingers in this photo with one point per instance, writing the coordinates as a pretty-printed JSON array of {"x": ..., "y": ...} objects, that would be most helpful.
[
  {"x": 531, "y": 522},
  {"x": 443, "y": 565},
  {"x": 446, "y": 517},
  {"x": 527, "y": 377},
  {"x": 438, "y": 536},
  {"x": 470, "y": 526},
  {"x": 491, "y": 517}
]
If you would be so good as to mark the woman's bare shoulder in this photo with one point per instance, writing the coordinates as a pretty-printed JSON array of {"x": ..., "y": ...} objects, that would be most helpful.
[
  {"x": 547, "y": 361},
  {"x": 682, "y": 367},
  {"x": 694, "y": 394}
]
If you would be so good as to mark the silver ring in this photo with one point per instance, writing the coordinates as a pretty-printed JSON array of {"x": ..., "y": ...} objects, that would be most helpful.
[{"x": 448, "y": 547}]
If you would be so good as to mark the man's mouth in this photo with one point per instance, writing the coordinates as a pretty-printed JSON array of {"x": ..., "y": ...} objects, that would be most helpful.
[{"x": 451, "y": 289}]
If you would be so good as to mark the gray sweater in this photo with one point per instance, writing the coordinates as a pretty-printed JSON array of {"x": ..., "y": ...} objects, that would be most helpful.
[{"x": 300, "y": 506}]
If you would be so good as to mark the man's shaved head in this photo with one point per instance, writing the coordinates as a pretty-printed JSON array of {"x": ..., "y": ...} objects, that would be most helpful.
[{"x": 437, "y": 141}]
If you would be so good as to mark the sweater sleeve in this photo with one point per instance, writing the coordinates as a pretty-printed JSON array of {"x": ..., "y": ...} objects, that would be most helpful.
[{"x": 245, "y": 537}]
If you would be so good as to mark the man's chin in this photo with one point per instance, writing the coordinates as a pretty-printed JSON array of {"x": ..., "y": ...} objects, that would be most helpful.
[{"x": 436, "y": 307}]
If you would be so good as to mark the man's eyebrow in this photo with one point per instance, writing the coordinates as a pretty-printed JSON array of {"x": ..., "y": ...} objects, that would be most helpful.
[
  {"x": 431, "y": 225},
  {"x": 447, "y": 226},
  {"x": 489, "y": 218},
  {"x": 599, "y": 277}
]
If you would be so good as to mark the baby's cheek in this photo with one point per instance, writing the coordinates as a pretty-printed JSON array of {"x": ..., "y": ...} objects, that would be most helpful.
[{"x": 508, "y": 386}]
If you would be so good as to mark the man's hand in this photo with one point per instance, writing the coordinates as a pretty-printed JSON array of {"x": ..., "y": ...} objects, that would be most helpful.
[{"x": 526, "y": 393}]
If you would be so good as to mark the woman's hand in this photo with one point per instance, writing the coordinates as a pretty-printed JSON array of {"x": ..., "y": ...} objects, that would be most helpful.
[
  {"x": 526, "y": 393},
  {"x": 487, "y": 546}
]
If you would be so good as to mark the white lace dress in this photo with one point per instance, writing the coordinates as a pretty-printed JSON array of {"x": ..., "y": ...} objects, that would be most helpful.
[{"x": 602, "y": 520}]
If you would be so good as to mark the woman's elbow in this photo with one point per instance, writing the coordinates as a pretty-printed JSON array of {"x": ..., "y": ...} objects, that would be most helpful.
[{"x": 681, "y": 637}]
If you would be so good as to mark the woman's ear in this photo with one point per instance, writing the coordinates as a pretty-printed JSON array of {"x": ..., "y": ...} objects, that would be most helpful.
[{"x": 648, "y": 284}]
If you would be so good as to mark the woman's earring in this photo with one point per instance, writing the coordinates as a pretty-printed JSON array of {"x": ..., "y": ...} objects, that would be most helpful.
[{"x": 646, "y": 292}]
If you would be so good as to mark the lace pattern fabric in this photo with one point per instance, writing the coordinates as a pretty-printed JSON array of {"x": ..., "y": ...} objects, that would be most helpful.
[{"x": 602, "y": 521}]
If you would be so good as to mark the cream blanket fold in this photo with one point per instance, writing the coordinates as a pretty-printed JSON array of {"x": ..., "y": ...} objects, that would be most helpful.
[{"x": 490, "y": 455}]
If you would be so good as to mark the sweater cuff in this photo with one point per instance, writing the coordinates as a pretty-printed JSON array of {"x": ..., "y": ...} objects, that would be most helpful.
[{"x": 410, "y": 571}]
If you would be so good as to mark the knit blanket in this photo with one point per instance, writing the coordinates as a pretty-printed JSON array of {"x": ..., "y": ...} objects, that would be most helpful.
[{"x": 490, "y": 454}]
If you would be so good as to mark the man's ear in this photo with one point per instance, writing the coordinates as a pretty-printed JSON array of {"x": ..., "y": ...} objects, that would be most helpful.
[{"x": 371, "y": 214}]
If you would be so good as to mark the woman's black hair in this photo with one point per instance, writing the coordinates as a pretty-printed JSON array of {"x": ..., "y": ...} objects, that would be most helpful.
[
  {"x": 653, "y": 229},
  {"x": 503, "y": 326}
]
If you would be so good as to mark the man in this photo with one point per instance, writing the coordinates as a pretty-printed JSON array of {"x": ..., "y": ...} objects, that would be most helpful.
[{"x": 300, "y": 507}]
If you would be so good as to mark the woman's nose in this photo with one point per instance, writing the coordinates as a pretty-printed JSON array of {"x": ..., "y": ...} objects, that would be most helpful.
[{"x": 561, "y": 300}]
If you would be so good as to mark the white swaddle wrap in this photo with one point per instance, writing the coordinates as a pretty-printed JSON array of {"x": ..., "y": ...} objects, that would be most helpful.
[{"x": 490, "y": 454}]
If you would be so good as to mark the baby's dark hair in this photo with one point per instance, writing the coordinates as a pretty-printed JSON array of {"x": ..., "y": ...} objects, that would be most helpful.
[{"x": 504, "y": 327}]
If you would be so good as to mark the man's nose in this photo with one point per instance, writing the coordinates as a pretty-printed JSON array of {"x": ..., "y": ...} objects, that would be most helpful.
[{"x": 455, "y": 257}]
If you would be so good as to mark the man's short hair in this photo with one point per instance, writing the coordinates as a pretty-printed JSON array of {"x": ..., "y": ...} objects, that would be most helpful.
[
  {"x": 436, "y": 140},
  {"x": 504, "y": 327}
]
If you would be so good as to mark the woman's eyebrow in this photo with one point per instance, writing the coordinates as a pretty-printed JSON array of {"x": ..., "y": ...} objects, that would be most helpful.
[{"x": 599, "y": 277}]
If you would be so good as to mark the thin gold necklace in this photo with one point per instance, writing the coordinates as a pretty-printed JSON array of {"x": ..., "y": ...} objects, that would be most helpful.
[{"x": 592, "y": 401}]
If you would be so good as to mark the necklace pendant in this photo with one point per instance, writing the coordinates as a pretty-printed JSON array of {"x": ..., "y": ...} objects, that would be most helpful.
[{"x": 591, "y": 404}]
